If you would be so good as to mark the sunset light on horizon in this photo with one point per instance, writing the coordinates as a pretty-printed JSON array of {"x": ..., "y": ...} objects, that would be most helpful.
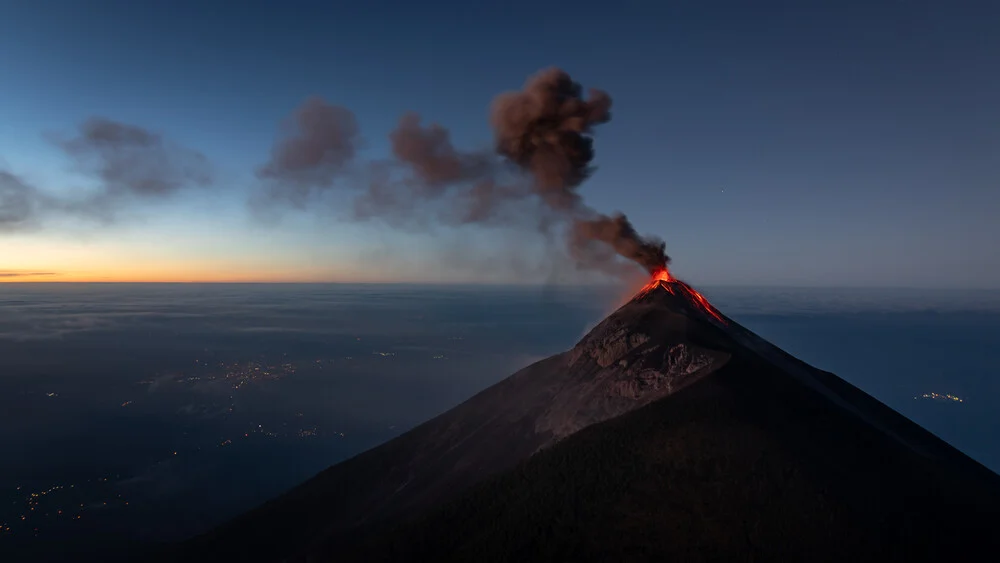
[{"x": 122, "y": 159}]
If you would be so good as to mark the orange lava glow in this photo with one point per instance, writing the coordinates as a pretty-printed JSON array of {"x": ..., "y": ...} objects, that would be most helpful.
[
  {"x": 662, "y": 278},
  {"x": 661, "y": 275}
]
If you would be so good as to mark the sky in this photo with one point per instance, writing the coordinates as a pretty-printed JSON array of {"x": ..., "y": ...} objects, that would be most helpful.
[{"x": 850, "y": 143}]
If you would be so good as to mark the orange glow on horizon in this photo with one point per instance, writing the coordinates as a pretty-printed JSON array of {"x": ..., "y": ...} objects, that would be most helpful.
[
  {"x": 41, "y": 261},
  {"x": 178, "y": 275}
]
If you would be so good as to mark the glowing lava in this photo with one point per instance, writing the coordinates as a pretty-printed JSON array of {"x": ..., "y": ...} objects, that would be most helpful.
[
  {"x": 662, "y": 278},
  {"x": 659, "y": 276}
]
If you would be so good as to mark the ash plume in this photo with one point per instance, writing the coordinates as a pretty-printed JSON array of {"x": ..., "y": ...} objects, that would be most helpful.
[
  {"x": 129, "y": 163},
  {"x": 133, "y": 161},
  {"x": 618, "y": 233},
  {"x": 319, "y": 141},
  {"x": 546, "y": 130},
  {"x": 427, "y": 170},
  {"x": 543, "y": 151},
  {"x": 20, "y": 203},
  {"x": 434, "y": 161}
]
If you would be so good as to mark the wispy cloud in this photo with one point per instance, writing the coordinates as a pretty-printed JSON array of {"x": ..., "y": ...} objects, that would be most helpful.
[
  {"x": 129, "y": 163},
  {"x": 16, "y": 274},
  {"x": 20, "y": 203},
  {"x": 134, "y": 161}
]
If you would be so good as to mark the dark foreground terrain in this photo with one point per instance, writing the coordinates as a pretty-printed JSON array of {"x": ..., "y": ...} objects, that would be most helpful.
[
  {"x": 664, "y": 435},
  {"x": 742, "y": 465}
]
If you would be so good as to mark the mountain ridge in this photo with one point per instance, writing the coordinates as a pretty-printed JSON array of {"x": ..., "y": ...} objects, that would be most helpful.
[
  {"x": 665, "y": 340},
  {"x": 723, "y": 469}
]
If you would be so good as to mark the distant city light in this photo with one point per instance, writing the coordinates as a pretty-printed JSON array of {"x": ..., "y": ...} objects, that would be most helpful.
[{"x": 941, "y": 397}]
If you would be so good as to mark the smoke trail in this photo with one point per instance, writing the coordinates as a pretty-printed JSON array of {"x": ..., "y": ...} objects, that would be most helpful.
[
  {"x": 129, "y": 163},
  {"x": 619, "y": 234},
  {"x": 133, "y": 161},
  {"x": 546, "y": 129},
  {"x": 319, "y": 142},
  {"x": 543, "y": 148},
  {"x": 434, "y": 161},
  {"x": 20, "y": 203}
]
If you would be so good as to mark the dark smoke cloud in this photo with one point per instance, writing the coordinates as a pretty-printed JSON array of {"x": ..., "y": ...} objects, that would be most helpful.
[
  {"x": 433, "y": 159},
  {"x": 319, "y": 142},
  {"x": 130, "y": 160},
  {"x": 129, "y": 163},
  {"x": 545, "y": 129},
  {"x": 427, "y": 172},
  {"x": 619, "y": 234},
  {"x": 543, "y": 148}
]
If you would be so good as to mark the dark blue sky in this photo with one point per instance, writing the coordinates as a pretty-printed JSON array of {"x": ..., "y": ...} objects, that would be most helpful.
[{"x": 788, "y": 143}]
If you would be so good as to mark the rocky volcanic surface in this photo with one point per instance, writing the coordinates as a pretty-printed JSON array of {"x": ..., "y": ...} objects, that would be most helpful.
[
  {"x": 641, "y": 353},
  {"x": 665, "y": 432},
  {"x": 646, "y": 350}
]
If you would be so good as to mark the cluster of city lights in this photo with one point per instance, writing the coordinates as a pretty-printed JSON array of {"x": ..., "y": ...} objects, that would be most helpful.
[{"x": 941, "y": 397}]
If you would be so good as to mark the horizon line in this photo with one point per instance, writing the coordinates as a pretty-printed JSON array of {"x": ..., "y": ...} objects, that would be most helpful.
[{"x": 485, "y": 283}]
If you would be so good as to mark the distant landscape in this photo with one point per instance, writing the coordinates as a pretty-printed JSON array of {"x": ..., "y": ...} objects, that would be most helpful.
[{"x": 167, "y": 409}]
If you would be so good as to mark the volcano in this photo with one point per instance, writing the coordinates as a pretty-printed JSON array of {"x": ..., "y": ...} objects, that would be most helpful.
[{"x": 668, "y": 432}]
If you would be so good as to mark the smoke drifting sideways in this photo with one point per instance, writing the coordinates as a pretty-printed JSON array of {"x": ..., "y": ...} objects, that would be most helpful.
[
  {"x": 20, "y": 203},
  {"x": 320, "y": 142},
  {"x": 129, "y": 164},
  {"x": 543, "y": 151}
]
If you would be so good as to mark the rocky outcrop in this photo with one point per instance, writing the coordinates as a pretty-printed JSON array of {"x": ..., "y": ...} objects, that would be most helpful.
[{"x": 639, "y": 354}]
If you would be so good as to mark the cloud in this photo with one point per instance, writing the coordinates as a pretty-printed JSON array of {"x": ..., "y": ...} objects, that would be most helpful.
[
  {"x": 318, "y": 143},
  {"x": 130, "y": 164},
  {"x": 20, "y": 203},
  {"x": 131, "y": 160},
  {"x": 12, "y": 274}
]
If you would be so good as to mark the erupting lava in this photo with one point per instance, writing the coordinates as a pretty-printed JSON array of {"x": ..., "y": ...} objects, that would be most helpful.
[
  {"x": 659, "y": 276},
  {"x": 662, "y": 278}
]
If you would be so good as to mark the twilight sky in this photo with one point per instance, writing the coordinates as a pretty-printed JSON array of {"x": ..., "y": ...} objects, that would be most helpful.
[{"x": 769, "y": 143}]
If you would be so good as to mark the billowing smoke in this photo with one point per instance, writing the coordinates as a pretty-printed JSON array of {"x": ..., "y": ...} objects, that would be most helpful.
[
  {"x": 546, "y": 129},
  {"x": 426, "y": 170},
  {"x": 435, "y": 162},
  {"x": 618, "y": 233},
  {"x": 543, "y": 148},
  {"x": 319, "y": 142}
]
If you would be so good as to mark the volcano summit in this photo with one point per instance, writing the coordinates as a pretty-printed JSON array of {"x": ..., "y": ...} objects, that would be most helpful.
[{"x": 669, "y": 432}]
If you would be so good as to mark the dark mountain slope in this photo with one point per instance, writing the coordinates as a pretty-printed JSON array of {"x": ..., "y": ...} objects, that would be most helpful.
[
  {"x": 669, "y": 430},
  {"x": 646, "y": 350},
  {"x": 747, "y": 464}
]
